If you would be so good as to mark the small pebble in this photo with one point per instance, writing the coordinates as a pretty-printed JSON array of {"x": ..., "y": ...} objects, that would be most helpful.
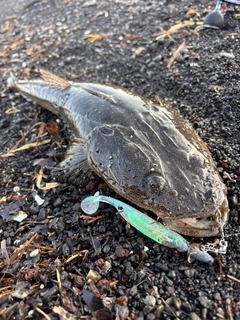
[
  {"x": 172, "y": 274},
  {"x": 120, "y": 252},
  {"x": 204, "y": 313},
  {"x": 194, "y": 316},
  {"x": 65, "y": 250},
  {"x": 123, "y": 311},
  {"x": 186, "y": 307},
  {"x": 150, "y": 316},
  {"x": 42, "y": 214},
  {"x": 133, "y": 290},
  {"x": 16, "y": 189},
  {"x": 93, "y": 275},
  {"x": 106, "y": 267},
  {"x": 147, "y": 310},
  {"x": 227, "y": 55},
  {"x": 168, "y": 281},
  {"x": 189, "y": 273},
  {"x": 159, "y": 311},
  {"x": 49, "y": 293},
  {"x": 149, "y": 300},
  {"x": 176, "y": 302},
  {"x": 106, "y": 248},
  {"x": 204, "y": 301},
  {"x": 34, "y": 253},
  {"x": 99, "y": 263},
  {"x": 91, "y": 185},
  {"x": 57, "y": 203},
  {"x": 220, "y": 313}
]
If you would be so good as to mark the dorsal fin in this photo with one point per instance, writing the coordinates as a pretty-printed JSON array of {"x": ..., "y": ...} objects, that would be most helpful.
[{"x": 54, "y": 80}]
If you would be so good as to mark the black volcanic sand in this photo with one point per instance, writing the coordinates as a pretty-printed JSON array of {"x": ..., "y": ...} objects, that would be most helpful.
[{"x": 46, "y": 259}]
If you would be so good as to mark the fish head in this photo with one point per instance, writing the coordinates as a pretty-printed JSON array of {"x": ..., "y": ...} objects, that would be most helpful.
[{"x": 165, "y": 175}]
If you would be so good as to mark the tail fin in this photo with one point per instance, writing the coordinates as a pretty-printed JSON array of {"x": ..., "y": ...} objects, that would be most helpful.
[{"x": 11, "y": 81}]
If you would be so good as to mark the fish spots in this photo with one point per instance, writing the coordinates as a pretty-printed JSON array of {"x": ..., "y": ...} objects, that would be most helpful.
[
  {"x": 156, "y": 184},
  {"x": 208, "y": 194}
]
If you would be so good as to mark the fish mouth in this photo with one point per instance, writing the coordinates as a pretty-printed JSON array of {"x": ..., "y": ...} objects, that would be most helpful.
[{"x": 209, "y": 226}]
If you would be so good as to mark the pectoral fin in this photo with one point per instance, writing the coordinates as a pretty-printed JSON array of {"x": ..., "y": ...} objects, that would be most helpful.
[{"x": 76, "y": 158}]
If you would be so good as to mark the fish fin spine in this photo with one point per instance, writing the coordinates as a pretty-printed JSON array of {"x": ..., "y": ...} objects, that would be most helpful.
[{"x": 54, "y": 80}]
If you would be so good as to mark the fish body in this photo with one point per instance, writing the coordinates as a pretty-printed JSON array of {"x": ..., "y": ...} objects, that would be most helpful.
[{"x": 147, "y": 153}]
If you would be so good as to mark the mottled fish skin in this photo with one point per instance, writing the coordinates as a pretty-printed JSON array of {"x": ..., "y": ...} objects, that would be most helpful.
[{"x": 145, "y": 152}]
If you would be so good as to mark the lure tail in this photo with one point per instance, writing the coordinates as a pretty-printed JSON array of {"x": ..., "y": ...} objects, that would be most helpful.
[{"x": 90, "y": 204}]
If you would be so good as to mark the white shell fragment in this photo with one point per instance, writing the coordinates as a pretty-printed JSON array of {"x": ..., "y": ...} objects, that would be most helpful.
[
  {"x": 36, "y": 197},
  {"x": 20, "y": 216},
  {"x": 34, "y": 253}
]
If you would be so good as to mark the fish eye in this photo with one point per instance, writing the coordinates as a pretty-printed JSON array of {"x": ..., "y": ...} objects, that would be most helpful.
[
  {"x": 156, "y": 184},
  {"x": 106, "y": 131}
]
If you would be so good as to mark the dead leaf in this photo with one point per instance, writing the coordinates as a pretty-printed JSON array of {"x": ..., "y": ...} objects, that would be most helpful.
[
  {"x": 43, "y": 313},
  {"x": 95, "y": 37},
  {"x": 41, "y": 130},
  {"x": 23, "y": 137},
  {"x": 177, "y": 27},
  {"x": 19, "y": 252},
  {"x": 12, "y": 110},
  {"x": 219, "y": 263},
  {"x": 64, "y": 315},
  {"x": 7, "y": 312},
  {"x": 217, "y": 88},
  {"x": 32, "y": 145},
  {"x": 69, "y": 305},
  {"x": 192, "y": 12},
  {"x": 48, "y": 185},
  {"x": 6, "y": 27},
  {"x": 138, "y": 51},
  {"x": 176, "y": 54},
  {"x": 233, "y": 278},
  {"x": 53, "y": 129},
  {"x": 90, "y": 219},
  {"x": 131, "y": 37}
]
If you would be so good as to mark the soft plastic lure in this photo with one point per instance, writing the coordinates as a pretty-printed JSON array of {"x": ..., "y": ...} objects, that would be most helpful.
[{"x": 149, "y": 227}]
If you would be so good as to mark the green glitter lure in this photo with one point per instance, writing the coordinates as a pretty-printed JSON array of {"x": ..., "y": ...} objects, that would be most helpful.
[{"x": 148, "y": 226}]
